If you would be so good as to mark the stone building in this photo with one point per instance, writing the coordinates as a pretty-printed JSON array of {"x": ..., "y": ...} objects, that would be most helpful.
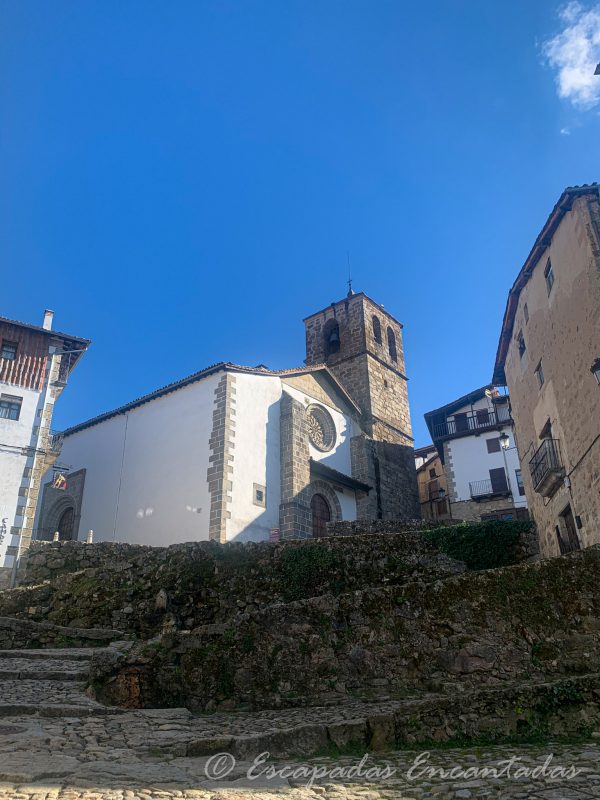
[
  {"x": 248, "y": 453},
  {"x": 474, "y": 436},
  {"x": 548, "y": 356},
  {"x": 433, "y": 488},
  {"x": 35, "y": 364}
]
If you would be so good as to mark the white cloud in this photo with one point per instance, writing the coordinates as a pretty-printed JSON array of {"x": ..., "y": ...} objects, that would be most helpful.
[
  {"x": 565, "y": 131},
  {"x": 574, "y": 53}
]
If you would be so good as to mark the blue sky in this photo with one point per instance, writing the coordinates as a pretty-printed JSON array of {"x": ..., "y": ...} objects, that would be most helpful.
[{"x": 181, "y": 182}]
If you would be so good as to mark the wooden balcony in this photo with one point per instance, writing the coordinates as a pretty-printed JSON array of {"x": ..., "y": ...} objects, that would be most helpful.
[
  {"x": 546, "y": 467},
  {"x": 25, "y": 370},
  {"x": 477, "y": 421}
]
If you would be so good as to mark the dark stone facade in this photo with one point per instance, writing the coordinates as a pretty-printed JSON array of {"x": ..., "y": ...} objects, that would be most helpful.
[
  {"x": 55, "y": 502},
  {"x": 294, "y": 510},
  {"x": 370, "y": 365}
]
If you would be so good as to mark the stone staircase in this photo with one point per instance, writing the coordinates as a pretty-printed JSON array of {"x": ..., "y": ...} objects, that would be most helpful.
[
  {"x": 46, "y": 682},
  {"x": 45, "y": 668}
]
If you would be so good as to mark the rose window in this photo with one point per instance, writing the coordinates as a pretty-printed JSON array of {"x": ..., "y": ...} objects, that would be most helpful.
[{"x": 321, "y": 428}]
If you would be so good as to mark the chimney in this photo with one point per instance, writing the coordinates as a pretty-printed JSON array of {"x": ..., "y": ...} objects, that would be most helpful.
[{"x": 48, "y": 317}]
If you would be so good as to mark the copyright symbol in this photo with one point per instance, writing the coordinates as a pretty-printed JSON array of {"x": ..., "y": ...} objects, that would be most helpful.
[{"x": 219, "y": 766}]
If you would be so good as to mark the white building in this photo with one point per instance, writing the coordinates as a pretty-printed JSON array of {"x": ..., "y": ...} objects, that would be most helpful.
[
  {"x": 474, "y": 436},
  {"x": 239, "y": 453},
  {"x": 35, "y": 363}
]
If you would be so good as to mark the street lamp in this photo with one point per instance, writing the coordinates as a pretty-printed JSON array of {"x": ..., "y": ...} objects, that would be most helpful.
[
  {"x": 595, "y": 368},
  {"x": 504, "y": 441}
]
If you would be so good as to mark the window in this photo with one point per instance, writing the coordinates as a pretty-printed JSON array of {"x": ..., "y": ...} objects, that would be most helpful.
[
  {"x": 493, "y": 445},
  {"x": 526, "y": 313},
  {"x": 259, "y": 495},
  {"x": 432, "y": 473},
  {"x": 549, "y": 276},
  {"x": 539, "y": 374},
  {"x": 521, "y": 344},
  {"x": 392, "y": 344},
  {"x": 376, "y": 329},
  {"x": 9, "y": 350},
  {"x": 520, "y": 482},
  {"x": 10, "y": 407}
]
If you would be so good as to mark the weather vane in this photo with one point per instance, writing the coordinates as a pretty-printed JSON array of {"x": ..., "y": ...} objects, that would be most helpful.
[{"x": 349, "y": 281}]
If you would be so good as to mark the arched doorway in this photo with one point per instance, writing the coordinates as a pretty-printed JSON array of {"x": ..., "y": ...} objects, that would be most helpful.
[
  {"x": 321, "y": 515},
  {"x": 65, "y": 524}
]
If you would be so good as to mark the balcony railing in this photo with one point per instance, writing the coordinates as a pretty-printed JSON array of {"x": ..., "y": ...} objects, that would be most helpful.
[
  {"x": 479, "y": 420},
  {"x": 547, "y": 470},
  {"x": 487, "y": 488},
  {"x": 24, "y": 370}
]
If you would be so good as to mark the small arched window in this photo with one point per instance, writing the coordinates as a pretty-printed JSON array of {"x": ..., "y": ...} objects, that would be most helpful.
[
  {"x": 376, "y": 329},
  {"x": 332, "y": 337},
  {"x": 392, "y": 344}
]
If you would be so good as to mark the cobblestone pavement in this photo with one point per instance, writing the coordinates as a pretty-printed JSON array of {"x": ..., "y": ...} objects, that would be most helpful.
[
  {"x": 117, "y": 775},
  {"x": 57, "y": 744}
]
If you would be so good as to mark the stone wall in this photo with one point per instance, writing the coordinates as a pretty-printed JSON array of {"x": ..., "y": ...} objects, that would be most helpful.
[
  {"x": 17, "y": 634},
  {"x": 529, "y": 622},
  {"x": 525, "y": 549},
  {"x": 390, "y": 469},
  {"x": 472, "y": 511},
  {"x": 151, "y": 589},
  {"x": 562, "y": 331}
]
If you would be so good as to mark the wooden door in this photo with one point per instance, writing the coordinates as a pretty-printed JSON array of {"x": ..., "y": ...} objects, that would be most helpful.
[
  {"x": 461, "y": 422},
  {"x": 498, "y": 480},
  {"x": 65, "y": 525},
  {"x": 321, "y": 515},
  {"x": 569, "y": 525}
]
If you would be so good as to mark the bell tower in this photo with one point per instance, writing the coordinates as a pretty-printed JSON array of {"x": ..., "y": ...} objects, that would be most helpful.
[{"x": 362, "y": 345}]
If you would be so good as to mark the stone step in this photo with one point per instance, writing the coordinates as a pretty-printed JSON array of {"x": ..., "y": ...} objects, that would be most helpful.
[
  {"x": 556, "y": 708},
  {"x": 68, "y": 653},
  {"x": 45, "y": 674},
  {"x": 16, "y": 632},
  {"x": 13, "y": 710},
  {"x": 45, "y": 696}
]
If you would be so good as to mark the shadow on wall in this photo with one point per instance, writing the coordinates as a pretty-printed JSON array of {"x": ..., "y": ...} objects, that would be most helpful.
[{"x": 259, "y": 529}]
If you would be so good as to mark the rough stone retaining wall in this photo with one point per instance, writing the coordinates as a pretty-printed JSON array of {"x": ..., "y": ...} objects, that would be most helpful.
[
  {"x": 520, "y": 623},
  {"x": 148, "y": 590},
  {"x": 527, "y": 546},
  {"x": 16, "y": 634}
]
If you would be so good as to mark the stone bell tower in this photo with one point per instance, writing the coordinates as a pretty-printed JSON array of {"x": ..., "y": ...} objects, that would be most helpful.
[{"x": 362, "y": 345}]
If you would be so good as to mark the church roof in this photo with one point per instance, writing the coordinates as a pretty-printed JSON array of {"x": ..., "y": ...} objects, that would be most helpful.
[{"x": 220, "y": 366}]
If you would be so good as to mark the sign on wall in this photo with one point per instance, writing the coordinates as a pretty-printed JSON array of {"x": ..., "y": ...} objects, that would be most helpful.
[{"x": 59, "y": 481}]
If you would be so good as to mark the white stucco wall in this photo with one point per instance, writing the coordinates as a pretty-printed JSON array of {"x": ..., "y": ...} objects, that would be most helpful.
[
  {"x": 339, "y": 458},
  {"x": 13, "y": 434},
  {"x": 146, "y": 469},
  {"x": 256, "y": 457},
  {"x": 472, "y": 462},
  {"x": 347, "y": 503}
]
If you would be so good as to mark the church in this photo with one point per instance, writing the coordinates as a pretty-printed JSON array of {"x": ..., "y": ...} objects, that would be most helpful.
[{"x": 234, "y": 453}]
